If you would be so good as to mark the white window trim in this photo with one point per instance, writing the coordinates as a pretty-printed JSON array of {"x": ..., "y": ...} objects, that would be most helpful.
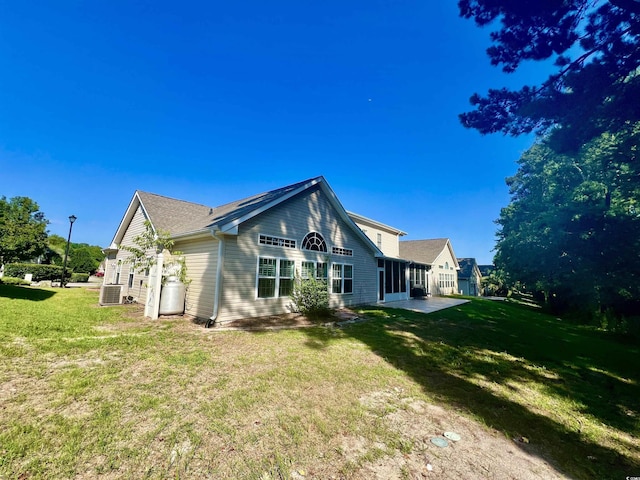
[
  {"x": 315, "y": 270},
  {"x": 342, "y": 278},
  {"x": 277, "y": 276},
  {"x": 342, "y": 251},
  {"x": 295, "y": 242}
]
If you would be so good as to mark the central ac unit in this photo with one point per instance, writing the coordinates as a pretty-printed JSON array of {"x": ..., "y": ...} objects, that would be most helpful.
[{"x": 110, "y": 295}]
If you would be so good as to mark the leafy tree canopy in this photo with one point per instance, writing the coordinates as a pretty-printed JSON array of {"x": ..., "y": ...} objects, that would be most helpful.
[
  {"x": 83, "y": 260},
  {"x": 23, "y": 234},
  {"x": 572, "y": 228},
  {"x": 57, "y": 246},
  {"x": 596, "y": 48}
]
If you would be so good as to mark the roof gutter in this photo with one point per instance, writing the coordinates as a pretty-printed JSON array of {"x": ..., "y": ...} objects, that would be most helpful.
[{"x": 216, "y": 296}]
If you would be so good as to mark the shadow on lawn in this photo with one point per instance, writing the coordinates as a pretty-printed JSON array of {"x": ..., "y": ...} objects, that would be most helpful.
[
  {"x": 445, "y": 350},
  {"x": 25, "y": 293}
]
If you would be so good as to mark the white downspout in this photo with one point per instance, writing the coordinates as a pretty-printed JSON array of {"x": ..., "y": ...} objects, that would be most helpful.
[{"x": 216, "y": 298}]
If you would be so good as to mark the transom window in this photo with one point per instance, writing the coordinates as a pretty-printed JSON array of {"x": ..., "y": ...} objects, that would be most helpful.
[
  {"x": 342, "y": 251},
  {"x": 277, "y": 241},
  {"x": 314, "y": 241}
]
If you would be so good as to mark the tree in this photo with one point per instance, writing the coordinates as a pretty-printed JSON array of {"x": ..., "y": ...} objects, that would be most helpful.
[
  {"x": 595, "y": 89},
  {"x": 95, "y": 252},
  {"x": 23, "y": 234},
  {"x": 143, "y": 251},
  {"x": 572, "y": 228},
  {"x": 56, "y": 246},
  {"x": 82, "y": 260}
]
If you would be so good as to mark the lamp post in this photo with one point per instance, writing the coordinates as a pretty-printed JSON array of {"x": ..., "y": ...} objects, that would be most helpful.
[{"x": 72, "y": 218}]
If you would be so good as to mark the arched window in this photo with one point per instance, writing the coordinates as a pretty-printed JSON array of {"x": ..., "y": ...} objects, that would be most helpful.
[{"x": 314, "y": 241}]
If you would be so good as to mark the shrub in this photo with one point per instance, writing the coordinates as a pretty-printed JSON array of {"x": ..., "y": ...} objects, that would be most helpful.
[
  {"x": 310, "y": 297},
  {"x": 13, "y": 281},
  {"x": 39, "y": 271},
  {"x": 79, "y": 277}
]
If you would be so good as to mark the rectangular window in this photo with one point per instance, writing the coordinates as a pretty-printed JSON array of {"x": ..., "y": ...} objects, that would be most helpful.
[
  {"x": 130, "y": 283},
  {"x": 267, "y": 277},
  {"x": 379, "y": 240},
  {"x": 341, "y": 278},
  {"x": 322, "y": 271},
  {"x": 308, "y": 270},
  {"x": 285, "y": 278},
  {"x": 348, "y": 279},
  {"x": 275, "y": 277},
  {"x": 342, "y": 251},
  {"x": 277, "y": 241},
  {"x": 314, "y": 270},
  {"x": 336, "y": 284}
]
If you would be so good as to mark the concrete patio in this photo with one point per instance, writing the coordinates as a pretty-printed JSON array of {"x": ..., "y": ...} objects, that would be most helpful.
[{"x": 427, "y": 305}]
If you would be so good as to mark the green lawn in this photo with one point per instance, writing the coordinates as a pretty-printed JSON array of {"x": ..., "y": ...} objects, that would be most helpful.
[{"x": 90, "y": 392}]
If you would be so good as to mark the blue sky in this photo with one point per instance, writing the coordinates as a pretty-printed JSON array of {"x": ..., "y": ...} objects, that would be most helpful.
[{"x": 214, "y": 101}]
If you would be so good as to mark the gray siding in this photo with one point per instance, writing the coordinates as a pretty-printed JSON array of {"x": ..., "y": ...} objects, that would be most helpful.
[
  {"x": 119, "y": 263},
  {"x": 201, "y": 256},
  {"x": 307, "y": 212},
  {"x": 294, "y": 219}
]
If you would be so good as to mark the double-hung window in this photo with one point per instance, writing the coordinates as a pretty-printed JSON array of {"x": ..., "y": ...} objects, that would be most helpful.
[
  {"x": 275, "y": 277},
  {"x": 267, "y": 269},
  {"x": 285, "y": 278},
  {"x": 317, "y": 270},
  {"x": 342, "y": 278}
]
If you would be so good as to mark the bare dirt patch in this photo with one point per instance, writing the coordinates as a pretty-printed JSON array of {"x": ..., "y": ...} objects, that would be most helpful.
[{"x": 480, "y": 452}]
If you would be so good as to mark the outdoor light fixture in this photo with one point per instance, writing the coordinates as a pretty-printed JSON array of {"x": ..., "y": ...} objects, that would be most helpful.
[{"x": 72, "y": 218}]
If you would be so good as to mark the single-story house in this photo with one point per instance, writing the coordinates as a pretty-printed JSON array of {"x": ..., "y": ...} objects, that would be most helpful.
[
  {"x": 242, "y": 257},
  {"x": 469, "y": 277},
  {"x": 432, "y": 266}
]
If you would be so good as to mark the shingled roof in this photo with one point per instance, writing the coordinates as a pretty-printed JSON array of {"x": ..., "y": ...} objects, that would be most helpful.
[
  {"x": 466, "y": 267},
  {"x": 172, "y": 215},
  {"x": 424, "y": 251},
  {"x": 181, "y": 218}
]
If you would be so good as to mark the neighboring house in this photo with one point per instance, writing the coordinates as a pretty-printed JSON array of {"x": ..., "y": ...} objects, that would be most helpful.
[
  {"x": 469, "y": 277},
  {"x": 485, "y": 270},
  {"x": 386, "y": 238},
  {"x": 242, "y": 257},
  {"x": 392, "y": 270},
  {"x": 432, "y": 266}
]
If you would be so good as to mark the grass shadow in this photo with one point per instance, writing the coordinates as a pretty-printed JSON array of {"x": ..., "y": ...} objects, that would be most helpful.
[
  {"x": 446, "y": 352},
  {"x": 25, "y": 293}
]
